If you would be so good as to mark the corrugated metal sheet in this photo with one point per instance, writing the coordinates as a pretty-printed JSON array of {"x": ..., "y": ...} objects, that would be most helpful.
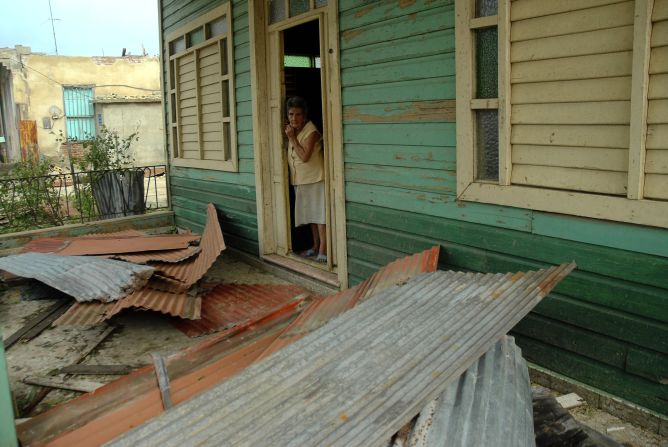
[
  {"x": 320, "y": 311},
  {"x": 364, "y": 374},
  {"x": 228, "y": 305},
  {"x": 82, "y": 277},
  {"x": 126, "y": 244},
  {"x": 489, "y": 405},
  {"x": 178, "y": 305},
  {"x": 95, "y": 418},
  {"x": 162, "y": 256},
  {"x": 45, "y": 245},
  {"x": 212, "y": 244}
]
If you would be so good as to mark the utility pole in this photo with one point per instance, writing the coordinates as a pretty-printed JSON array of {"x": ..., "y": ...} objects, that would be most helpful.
[{"x": 53, "y": 28}]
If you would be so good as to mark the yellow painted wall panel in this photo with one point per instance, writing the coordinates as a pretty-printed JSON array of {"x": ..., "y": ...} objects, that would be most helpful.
[
  {"x": 591, "y": 42},
  {"x": 657, "y": 112},
  {"x": 609, "y": 89},
  {"x": 660, "y": 11},
  {"x": 657, "y": 136},
  {"x": 526, "y": 9},
  {"x": 656, "y": 186},
  {"x": 609, "y": 16},
  {"x": 658, "y": 60},
  {"x": 578, "y": 67},
  {"x": 656, "y": 161},
  {"x": 608, "y": 112},
  {"x": 659, "y": 34},
  {"x": 604, "y": 182},
  {"x": 571, "y": 157},
  {"x": 658, "y": 86},
  {"x": 572, "y": 135}
]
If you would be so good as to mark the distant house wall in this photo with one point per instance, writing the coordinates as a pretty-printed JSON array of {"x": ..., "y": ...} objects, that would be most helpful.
[
  {"x": 130, "y": 116},
  {"x": 39, "y": 82}
]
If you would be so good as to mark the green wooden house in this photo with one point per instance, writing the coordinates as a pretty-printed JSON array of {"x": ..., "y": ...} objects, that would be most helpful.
[{"x": 514, "y": 134}]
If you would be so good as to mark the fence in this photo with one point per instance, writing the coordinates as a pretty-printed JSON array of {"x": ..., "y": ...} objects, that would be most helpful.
[{"x": 53, "y": 200}]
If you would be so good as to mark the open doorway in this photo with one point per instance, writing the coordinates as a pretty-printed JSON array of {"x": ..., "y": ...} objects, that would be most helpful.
[{"x": 302, "y": 77}]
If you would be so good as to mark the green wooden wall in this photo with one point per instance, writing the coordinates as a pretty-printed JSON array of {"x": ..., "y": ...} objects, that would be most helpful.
[
  {"x": 233, "y": 194},
  {"x": 605, "y": 325}
]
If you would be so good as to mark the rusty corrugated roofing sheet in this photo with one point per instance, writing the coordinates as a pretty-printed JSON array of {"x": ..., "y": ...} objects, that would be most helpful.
[
  {"x": 54, "y": 244},
  {"x": 363, "y": 375},
  {"x": 126, "y": 244},
  {"x": 228, "y": 305},
  {"x": 83, "y": 278},
  {"x": 490, "y": 404},
  {"x": 320, "y": 311},
  {"x": 193, "y": 269},
  {"x": 162, "y": 256},
  {"x": 95, "y": 418},
  {"x": 178, "y": 305}
]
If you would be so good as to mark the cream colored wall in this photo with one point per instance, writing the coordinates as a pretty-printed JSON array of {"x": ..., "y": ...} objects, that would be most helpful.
[
  {"x": 41, "y": 86},
  {"x": 142, "y": 117}
]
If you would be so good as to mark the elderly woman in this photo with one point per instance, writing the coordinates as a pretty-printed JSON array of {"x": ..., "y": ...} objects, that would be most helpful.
[{"x": 307, "y": 175}]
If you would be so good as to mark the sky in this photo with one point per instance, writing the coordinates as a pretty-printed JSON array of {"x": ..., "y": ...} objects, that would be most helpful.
[{"x": 82, "y": 27}]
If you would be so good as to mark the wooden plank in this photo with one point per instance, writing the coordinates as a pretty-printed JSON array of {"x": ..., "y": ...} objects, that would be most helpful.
[
  {"x": 442, "y": 41},
  {"x": 429, "y": 157},
  {"x": 640, "y": 78},
  {"x": 590, "y": 42},
  {"x": 656, "y": 186},
  {"x": 658, "y": 60},
  {"x": 414, "y": 134},
  {"x": 579, "y": 90},
  {"x": 602, "y": 112},
  {"x": 657, "y": 112},
  {"x": 659, "y": 33},
  {"x": 417, "y": 111},
  {"x": 527, "y": 9},
  {"x": 401, "y": 70},
  {"x": 82, "y": 386},
  {"x": 601, "y": 17},
  {"x": 441, "y": 205},
  {"x": 401, "y": 177},
  {"x": 231, "y": 188},
  {"x": 439, "y": 88},
  {"x": 658, "y": 86},
  {"x": 101, "y": 370},
  {"x": 387, "y": 10},
  {"x": 226, "y": 214},
  {"x": 660, "y": 11},
  {"x": 656, "y": 162},
  {"x": 571, "y": 157},
  {"x": 591, "y": 66},
  {"x": 213, "y": 197},
  {"x": 648, "y": 364},
  {"x": 657, "y": 136},
  {"x": 596, "y": 374},
  {"x": 612, "y": 136},
  {"x": 38, "y": 323}
]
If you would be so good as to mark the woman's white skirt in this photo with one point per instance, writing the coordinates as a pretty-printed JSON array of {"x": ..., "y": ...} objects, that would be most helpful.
[{"x": 310, "y": 203}]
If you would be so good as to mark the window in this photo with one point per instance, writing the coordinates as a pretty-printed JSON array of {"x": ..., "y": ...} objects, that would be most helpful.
[
  {"x": 301, "y": 61},
  {"x": 560, "y": 114},
  {"x": 79, "y": 113},
  {"x": 278, "y": 8},
  {"x": 201, "y": 95}
]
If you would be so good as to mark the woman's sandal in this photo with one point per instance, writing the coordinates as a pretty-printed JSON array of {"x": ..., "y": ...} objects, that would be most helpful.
[
  {"x": 321, "y": 259},
  {"x": 308, "y": 253}
]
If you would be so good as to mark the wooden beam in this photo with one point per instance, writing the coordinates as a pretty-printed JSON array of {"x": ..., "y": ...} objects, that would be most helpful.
[
  {"x": 37, "y": 324},
  {"x": 642, "y": 30},
  {"x": 82, "y": 386}
]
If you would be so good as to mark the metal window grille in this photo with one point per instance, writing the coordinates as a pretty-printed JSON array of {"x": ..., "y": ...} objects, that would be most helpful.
[{"x": 79, "y": 113}]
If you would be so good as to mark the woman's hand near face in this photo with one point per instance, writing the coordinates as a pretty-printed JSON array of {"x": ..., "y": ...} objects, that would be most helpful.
[{"x": 290, "y": 132}]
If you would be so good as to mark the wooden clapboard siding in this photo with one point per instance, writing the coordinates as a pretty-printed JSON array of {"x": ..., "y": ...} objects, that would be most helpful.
[
  {"x": 570, "y": 87},
  {"x": 570, "y": 116},
  {"x": 656, "y": 158},
  {"x": 233, "y": 193}
]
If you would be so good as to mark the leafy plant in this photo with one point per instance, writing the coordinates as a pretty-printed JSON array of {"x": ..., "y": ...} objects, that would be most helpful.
[{"x": 108, "y": 151}]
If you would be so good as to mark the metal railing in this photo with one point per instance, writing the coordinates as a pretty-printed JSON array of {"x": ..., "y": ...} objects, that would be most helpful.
[{"x": 52, "y": 200}]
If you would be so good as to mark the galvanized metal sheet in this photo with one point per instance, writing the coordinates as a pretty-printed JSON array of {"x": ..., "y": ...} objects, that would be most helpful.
[
  {"x": 490, "y": 404},
  {"x": 364, "y": 374},
  {"x": 193, "y": 269},
  {"x": 83, "y": 278},
  {"x": 321, "y": 310},
  {"x": 228, "y": 305}
]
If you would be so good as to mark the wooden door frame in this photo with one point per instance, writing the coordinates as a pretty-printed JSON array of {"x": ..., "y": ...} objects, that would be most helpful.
[{"x": 332, "y": 116}]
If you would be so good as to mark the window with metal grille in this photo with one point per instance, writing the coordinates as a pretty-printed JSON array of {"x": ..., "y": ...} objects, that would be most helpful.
[{"x": 79, "y": 113}]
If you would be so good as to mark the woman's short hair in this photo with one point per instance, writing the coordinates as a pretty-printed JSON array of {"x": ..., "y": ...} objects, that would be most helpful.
[{"x": 297, "y": 102}]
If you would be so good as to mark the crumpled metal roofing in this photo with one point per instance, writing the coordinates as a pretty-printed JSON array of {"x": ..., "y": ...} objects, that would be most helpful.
[
  {"x": 364, "y": 374},
  {"x": 162, "y": 256},
  {"x": 321, "y": 310},
  {"x": 193, "y": 269},
  {"x": 81, "y": 277},
  {"x": 228, "y": 305},
  {"x": 103, "y": 245},
  {"x": 489, "y": 405}
]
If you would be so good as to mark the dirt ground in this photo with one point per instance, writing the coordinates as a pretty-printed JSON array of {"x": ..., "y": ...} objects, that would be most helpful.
[{"x": 137, "y": 334}]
